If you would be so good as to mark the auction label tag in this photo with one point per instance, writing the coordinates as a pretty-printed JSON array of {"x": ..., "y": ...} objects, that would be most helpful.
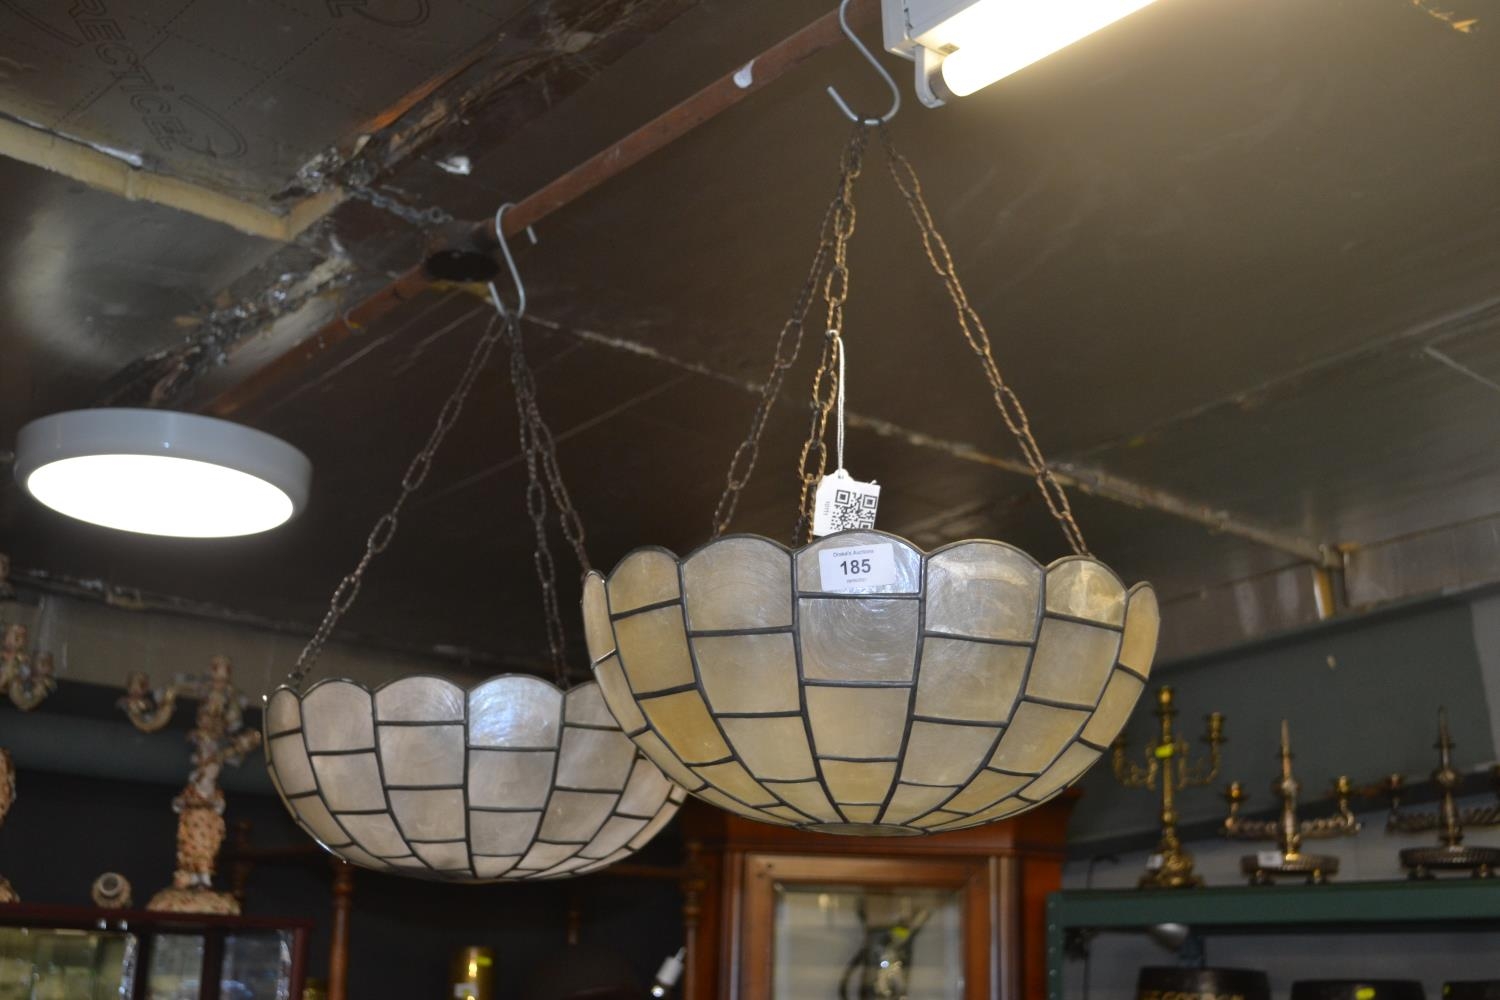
[
  {"x": 1268, "y": 859},
  {"x": 1154, "y": 863},
  {"x": 858, "y": 568},
  {"x": 843, "y": 503}
]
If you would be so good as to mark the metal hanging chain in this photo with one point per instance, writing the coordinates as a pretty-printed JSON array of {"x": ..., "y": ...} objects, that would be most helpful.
[
  {"x": 536, "y": 500},
  {"x": 385, "y": 528},
  {"x": 788, "y": 346},
  {"x": 978, "y": 339},
  {"x": 813, "y": 461},
  {"x": 567, "y": 515},
  {"x": 422, "y": 218},
  {"x": 542, "y": 471}
]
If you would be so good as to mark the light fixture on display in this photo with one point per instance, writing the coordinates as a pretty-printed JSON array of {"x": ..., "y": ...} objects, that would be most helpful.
[
  {"x": 513, "y": 779},
  {"x": 961, "y": 46},
  {"x": 668, "y": 975},
  {"x": 853, "y": 683},
  {"x": 161, "y": 472}
]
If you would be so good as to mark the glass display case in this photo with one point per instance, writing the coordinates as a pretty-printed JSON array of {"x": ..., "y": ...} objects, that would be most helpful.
[
  {"x": 854, "y": 942},
  {"x": 773, "y": 913},
  {"x": 865, "y": 928},
  {"x": 62, "y": 953}
]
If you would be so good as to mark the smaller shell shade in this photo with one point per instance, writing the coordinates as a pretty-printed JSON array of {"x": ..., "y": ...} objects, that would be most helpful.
[
  {"x": 955, "y": 689},
  {"x": 509, "y": 781}
]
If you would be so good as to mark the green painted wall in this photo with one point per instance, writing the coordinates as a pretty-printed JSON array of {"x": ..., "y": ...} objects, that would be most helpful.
[{"x": 1362, "y": 698}]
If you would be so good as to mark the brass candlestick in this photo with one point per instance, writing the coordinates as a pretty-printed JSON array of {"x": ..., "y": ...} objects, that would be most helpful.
[
  {"x": 1287, "y": 831},
  {"x": 219, "y": 738},
  {"x": 1449, "y": 821},
  {"x": 1171, "y": 867}
]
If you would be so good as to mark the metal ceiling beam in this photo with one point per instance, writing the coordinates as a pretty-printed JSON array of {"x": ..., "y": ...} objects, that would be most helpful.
[
  {"x": 1109, "y": 486},
  {"x": 663, "y": 130},
  {"x": 133, "y": 599},
  {"x": 1087, "y": 479}
]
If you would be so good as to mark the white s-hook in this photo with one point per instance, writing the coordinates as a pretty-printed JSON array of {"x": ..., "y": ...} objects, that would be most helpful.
[
  {"x": 510, "y": 262},
  {"x": 869, "y": 58}
]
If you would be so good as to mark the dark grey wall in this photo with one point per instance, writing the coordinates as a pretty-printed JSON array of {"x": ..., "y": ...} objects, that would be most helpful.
[{"x": 65, "y": 830}]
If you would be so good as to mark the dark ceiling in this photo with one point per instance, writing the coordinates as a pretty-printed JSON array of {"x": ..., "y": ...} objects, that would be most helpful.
[{"x": 1242, "y": 256}]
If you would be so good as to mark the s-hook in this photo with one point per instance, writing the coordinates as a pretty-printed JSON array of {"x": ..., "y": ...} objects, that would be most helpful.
[
  {"x": 869, "y": 58},
  {"x": 510, "y": 262}
]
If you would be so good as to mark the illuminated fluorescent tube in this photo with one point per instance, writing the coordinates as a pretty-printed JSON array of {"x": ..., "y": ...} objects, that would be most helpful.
[{"x": 961, "y": 46}]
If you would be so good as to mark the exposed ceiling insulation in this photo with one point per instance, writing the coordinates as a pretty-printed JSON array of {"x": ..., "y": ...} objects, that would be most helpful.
[{"x": 1239, "y": 258}]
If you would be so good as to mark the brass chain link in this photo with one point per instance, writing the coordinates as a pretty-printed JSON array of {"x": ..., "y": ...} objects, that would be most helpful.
[
  {"x": 788, "y": 344},
  {"x": 384, "y": 530},
  {"x": 812, "y": 464},
  {"x": 978, "y": 338}
]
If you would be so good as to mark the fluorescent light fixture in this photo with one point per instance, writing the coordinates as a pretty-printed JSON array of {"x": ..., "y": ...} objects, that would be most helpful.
[
  {"x": 159, "y": 472},
  {"x": 961, "y": 46}
]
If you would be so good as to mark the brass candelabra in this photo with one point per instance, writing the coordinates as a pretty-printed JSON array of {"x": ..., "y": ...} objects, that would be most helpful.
[
  {"x": 1451, "y": 854},
  {"x": 219, "y": 738},
  {"x": 1287, "y": 830},
  {"x": 1167, "y": 763}
]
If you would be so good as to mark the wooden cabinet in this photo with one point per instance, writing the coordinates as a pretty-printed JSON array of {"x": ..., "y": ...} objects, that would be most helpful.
[{"x": 779, "y": 914}]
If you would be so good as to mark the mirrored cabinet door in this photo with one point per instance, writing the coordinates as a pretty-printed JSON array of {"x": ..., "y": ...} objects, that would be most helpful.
[{"x": 830, "y": 928}]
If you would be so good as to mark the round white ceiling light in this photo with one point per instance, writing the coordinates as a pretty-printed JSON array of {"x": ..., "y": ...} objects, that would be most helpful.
[{"x": 160, "y": 472}]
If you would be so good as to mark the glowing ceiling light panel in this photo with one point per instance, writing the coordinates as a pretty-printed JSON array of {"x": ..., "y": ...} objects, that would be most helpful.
[{"x": 160, "y": 472}]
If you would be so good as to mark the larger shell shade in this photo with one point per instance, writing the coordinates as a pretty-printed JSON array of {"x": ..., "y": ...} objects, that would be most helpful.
[
  {"x": 512, "y": 780},
  {"x": 970, "y": 686}
]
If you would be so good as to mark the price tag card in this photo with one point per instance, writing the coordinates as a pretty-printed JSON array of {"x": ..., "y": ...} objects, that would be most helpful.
[
  {"x": 843, "y": 503},
  {"x": 1154, "y": 863},
  {"x": 857, "y": 569},
  {"x": 1268, "y": 859}
]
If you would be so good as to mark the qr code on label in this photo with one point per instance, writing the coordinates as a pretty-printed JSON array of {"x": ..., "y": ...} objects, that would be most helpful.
[
  {"x": 851, "y": 510},
  {"x": 844, "y": 504}
]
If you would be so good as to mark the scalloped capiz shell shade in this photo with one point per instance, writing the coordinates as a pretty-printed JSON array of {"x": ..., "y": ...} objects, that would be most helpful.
[
  {"x": 972, "y": 686},
  {"x": 509, "y": 781}
]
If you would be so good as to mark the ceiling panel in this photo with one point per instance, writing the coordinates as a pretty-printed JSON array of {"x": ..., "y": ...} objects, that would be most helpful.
[
  {"x": 237, "y": 95},
  {"x": 90, "y": 282},
  {"x": 1387, "y": 444},
  {"x": 1212, "y": 246}
]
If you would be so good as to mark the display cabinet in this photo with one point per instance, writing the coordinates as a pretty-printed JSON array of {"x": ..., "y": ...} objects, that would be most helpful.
[
  {"x": 779, "y": 914},
  {"x": 66, "y": 953}
]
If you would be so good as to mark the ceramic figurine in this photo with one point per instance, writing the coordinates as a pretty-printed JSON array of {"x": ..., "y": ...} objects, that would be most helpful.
[{"x": 218, "y": 738}]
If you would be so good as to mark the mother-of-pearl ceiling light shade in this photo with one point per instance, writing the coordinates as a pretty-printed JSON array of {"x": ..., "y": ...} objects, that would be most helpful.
[
  {"x": 976, "y": 685},
  {"x": 509, "y": 781}
]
